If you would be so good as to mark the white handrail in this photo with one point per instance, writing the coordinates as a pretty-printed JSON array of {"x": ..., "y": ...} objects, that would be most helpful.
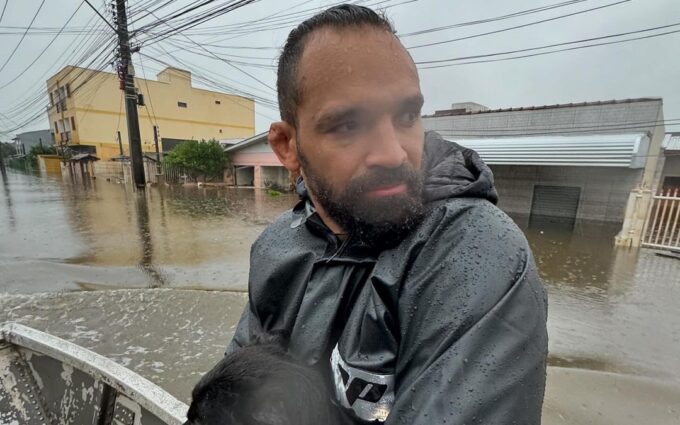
[{"x": 149, "y": 395}]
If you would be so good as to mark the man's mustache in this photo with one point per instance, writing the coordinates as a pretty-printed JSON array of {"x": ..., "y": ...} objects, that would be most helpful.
[{"x": 379, "y": 178}]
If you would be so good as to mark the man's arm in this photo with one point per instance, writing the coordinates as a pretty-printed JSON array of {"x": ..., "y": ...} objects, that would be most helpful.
[
  {"x": 472, "y": 315},
  {"x": 242, "y": 334}
]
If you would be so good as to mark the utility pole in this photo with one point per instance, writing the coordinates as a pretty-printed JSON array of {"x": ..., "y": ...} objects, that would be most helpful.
[
  {"x": 158, "y": 154},
  {"x": 120, "y": 145},
  {"x": 3, "y": 171},
  {"x": 126, "y": 73}
]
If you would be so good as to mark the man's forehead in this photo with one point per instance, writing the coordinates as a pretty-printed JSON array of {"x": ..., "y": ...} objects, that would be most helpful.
[
  {"x": 338, "y": 44},
  {"x": 337, "y": 60}
]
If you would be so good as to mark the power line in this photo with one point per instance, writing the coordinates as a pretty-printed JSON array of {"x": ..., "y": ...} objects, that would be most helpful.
[
  {"x": 2, "y": 14},
  {"x": 219, "y": 58},
  {"x": 494, "y": 19},
  {"x": 551, "y": 51},
  {"x": 22, "y": 37},
  {"x": 43, "y": 51},
  {"x": 101, "y": 16},
  {"x": 192, "y": 21},
  {"x": 436, "y": 43}
]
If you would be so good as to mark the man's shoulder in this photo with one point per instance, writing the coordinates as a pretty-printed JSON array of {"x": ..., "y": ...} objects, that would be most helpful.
[
  {"x": 283, "y": 238},
  {"x": 470, "y": 220}
]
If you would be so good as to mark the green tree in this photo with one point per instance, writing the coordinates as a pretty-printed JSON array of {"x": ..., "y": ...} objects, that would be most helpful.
[
  {"x": 8, "y": 149},
  {"x": 32, "y": 156},
  {"x": 202, "y": 159}
]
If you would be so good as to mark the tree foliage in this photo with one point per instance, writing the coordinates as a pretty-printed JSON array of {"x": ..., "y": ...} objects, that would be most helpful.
[
  {"x": 32, "y": 156},
  {"x": 202, "y": 159},
  {"x": 30, "y": 160}
]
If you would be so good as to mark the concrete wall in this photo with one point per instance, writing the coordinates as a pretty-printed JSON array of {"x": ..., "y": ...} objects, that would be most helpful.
[
  {"x": 98, "y": 113},
  {"x": 604, "y": 191},
  {"x": 110, "y": 170},
  {"x": 49, "y": 164},
  {"x": 277, "y": 175}
]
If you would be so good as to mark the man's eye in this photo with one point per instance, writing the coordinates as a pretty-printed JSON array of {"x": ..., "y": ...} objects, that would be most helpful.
[
  {"x": 408, "y": 118},
  {"x": 346, "y": 127}
]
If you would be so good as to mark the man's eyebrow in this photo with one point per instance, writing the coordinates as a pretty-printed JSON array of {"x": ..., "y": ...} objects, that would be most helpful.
[
  {"x": 416, "y": 101},
  {"x": 336, "y": 115}
]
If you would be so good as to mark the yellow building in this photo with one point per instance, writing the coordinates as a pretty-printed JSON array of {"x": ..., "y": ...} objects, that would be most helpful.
[{"x": 86, "y": 111}]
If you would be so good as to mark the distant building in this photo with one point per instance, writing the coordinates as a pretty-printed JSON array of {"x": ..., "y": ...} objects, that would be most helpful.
[
  {"x": 670, "y": 174},
  {"x": 23, "y": 142},
  {"x": 255, "y": 164},
  {"x": 86, "y": 111},
  {"x": 571, "y": 161}
]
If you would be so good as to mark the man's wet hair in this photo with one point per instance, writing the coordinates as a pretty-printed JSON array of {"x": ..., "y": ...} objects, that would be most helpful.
[
  {"x": 340, "y": 17},
  {"x": 262, "y": 385}
]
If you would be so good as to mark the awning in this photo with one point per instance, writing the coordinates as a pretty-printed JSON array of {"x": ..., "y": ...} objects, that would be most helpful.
[
  {"x": 83, "y": 157},
  {"x": 671, "y": 142},
  {"x": 597, "y": 150}
]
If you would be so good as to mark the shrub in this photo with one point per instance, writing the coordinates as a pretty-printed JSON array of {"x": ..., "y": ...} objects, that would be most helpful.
[{"x": 202, "y": 159}]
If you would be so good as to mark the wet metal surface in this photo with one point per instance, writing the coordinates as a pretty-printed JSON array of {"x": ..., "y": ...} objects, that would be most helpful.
[
  {"x": 46, "y": 380},
  {"x": 613, "y": 311}
]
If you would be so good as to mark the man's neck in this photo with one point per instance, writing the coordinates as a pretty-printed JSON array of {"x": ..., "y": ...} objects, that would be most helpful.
[{"x": 332, "y": 225}]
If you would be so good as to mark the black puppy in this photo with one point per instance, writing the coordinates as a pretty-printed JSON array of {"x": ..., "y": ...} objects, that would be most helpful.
[{"x": 261, "y": 385}]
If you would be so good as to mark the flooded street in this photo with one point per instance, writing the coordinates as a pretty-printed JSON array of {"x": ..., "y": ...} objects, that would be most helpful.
[{"x": 156, "y": 281}]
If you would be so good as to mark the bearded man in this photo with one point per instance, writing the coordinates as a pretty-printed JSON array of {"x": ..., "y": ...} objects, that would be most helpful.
[{"x": 396, "y": 275}]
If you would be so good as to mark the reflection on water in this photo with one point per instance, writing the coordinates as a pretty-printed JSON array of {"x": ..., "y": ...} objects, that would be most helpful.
[
  {"x": 610, "y": 309},
  {"x": 71, "y": 236}
]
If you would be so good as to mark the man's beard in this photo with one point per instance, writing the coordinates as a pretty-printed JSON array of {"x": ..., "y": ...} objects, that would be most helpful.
[{"x": 380, "y": 222}]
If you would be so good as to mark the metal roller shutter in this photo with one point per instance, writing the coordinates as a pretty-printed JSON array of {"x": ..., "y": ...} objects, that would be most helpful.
[{"x": 556, "y": 201}]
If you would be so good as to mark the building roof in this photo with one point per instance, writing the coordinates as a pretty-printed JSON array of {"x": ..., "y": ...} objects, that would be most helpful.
[
  {"x": 83, "y": 157},
  {"x": 671, "y": 142},
  {"x": 452, "y": 112},
  {"x": 258, "y": 138},
  {"x": 589, "y": 150}
]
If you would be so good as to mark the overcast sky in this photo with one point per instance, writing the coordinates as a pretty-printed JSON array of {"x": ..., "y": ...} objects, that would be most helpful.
[{"x": 643, "y": 68}]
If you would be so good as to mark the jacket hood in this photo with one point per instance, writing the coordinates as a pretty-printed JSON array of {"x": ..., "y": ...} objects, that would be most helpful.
[
  {"x": 451, "y": 171},
  {"x": 454, "y": 171}
]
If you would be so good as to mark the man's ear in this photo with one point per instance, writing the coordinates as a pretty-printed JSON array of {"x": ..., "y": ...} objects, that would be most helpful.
[{"x": 281, "y": 138}]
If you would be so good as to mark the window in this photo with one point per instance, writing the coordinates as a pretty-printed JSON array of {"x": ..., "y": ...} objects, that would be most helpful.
[
  {"x": 56, "y": 127},
  {"x": 220, "y": 130},
  {"x": 51, "y": 99},
  {"x": 68, "y": 90},
  {"x": 217, "y": 102},
  {"x": 182, "y": 104},
  {"x": 73, "y": 124},
  {"x": 60, "y": 98}
]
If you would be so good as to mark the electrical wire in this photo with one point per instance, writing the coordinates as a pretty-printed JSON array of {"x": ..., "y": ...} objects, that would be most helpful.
[
  {"x": 101, "y": 16},
  {"x": 552, "y": 51},
  {"x": 43, "y": 51},
  {"x": 2, "y": 14},
  {"x": 494, "y": 19},
  {"x": 515, "y": 27},
  {"x": 11, "y": 55}
]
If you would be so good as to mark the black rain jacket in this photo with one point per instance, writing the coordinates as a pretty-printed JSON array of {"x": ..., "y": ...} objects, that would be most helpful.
[{"x": 448, "y": 327}]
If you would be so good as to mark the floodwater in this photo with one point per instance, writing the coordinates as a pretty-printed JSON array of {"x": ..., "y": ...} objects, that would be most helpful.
[{"x": 156, "y": 282}]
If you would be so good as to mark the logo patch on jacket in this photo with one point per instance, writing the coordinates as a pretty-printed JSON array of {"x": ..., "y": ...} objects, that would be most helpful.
[{"x": 369, "y": 395}]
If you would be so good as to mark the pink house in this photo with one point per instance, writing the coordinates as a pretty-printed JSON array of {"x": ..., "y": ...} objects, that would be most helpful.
[{"x": 255, "y": 164}]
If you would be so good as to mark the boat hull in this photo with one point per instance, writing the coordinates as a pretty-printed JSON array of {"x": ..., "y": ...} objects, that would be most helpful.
[{"x": 46, "y": 380}]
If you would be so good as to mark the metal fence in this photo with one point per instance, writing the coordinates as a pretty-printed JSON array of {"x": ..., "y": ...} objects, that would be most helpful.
[
  {"x": 663, "y": 222},
  {"x": 173, "y": 175}
]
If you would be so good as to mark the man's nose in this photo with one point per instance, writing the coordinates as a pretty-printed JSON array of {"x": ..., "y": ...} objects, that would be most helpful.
[{"x": 384, "y": 148}]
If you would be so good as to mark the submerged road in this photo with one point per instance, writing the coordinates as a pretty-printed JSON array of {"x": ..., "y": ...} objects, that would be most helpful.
[{"x": 155, "y": 282}]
